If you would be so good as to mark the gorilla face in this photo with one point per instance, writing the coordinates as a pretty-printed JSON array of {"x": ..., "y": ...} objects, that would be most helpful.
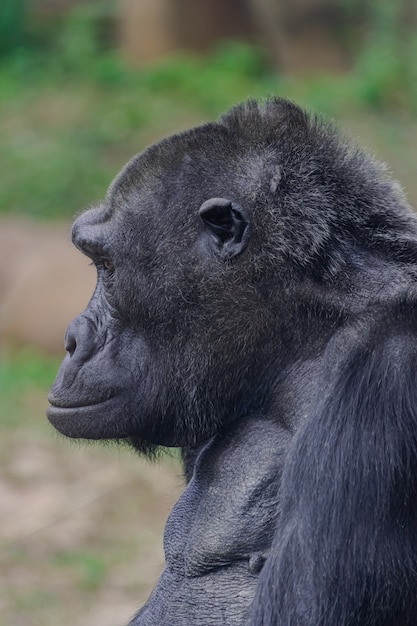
[{"x": 157, "y": 356}]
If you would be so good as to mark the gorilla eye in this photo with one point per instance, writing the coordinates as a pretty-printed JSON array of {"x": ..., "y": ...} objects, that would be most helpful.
[
  {"x": 104, "y": 264},
  {"x": 108, "y": 265}
]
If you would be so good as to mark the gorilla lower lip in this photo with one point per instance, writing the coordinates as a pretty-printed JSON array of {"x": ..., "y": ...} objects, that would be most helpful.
[
  {"x": 75, "y": 407},
  {"x": 85, "y": 421},
  {"x": 56, "y": 413},
  {"x": 62, "y": 406}
]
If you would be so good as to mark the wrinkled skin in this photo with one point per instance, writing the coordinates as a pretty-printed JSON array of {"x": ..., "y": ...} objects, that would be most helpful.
[{"x": 255, "y": 306}]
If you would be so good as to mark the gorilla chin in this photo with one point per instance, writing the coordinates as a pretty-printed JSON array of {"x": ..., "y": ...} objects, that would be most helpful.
[{"x": 256, "y": 305}]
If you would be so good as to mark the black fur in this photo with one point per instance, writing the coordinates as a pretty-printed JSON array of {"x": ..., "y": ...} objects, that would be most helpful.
[{"x": 255, "y": 306}]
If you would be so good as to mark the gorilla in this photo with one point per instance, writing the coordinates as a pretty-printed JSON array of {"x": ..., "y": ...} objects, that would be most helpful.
[{"x": 256, "y": 306}]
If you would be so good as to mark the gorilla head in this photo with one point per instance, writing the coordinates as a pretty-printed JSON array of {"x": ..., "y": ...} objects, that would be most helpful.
[{"x": 207, "y": 246}]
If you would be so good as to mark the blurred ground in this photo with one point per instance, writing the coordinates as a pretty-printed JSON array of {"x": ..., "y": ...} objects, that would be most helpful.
[
  {"x": 44, "y": 283},
  {"x": 82, "y": 527}
]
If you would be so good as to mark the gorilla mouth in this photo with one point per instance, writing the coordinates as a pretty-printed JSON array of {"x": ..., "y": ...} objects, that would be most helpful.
[
  {"x": 60, "y": 414},
  {"x": 61, "y": 405}
]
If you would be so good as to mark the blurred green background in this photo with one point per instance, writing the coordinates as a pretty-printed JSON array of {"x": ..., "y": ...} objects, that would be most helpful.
[{"x": 83, "y": 87}]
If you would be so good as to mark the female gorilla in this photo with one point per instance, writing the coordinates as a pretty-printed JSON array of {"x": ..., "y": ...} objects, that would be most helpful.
[{"x": 256, "y": 305}]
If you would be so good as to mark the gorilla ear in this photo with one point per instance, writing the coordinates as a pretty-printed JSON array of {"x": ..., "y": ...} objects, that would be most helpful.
[{"x": 226, "y": 226}]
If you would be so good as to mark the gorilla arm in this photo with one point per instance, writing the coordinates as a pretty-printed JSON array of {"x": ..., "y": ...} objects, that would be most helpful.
[{"x": 344, "y": 549}]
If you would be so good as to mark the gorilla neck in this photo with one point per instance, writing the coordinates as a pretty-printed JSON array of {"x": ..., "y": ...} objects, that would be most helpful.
[{"x": 219, "y": 534}]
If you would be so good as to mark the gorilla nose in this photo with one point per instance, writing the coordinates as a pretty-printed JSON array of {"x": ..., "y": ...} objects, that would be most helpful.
[{"x": 80, "y": 342}]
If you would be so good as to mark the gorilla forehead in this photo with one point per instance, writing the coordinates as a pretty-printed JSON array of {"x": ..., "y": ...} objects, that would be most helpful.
[
  {"x": 223, "y": 155},
  {"x": 162, "y": 167}
]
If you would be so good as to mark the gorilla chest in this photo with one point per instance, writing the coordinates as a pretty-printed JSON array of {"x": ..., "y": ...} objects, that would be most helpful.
[{"x": 222, "y": 520}]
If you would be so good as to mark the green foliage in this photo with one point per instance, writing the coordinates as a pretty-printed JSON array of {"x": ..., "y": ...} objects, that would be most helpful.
[
  {"x": 70, "y": 121},
  {"x": 78, "y": 45},
  {"x": 386, "y": 79},
  {"x": 71, "y": 112},
  {"x": 89, "y": 569},
  {"x": 81, "y": 48},
  {"x": 25, "y": 373},
  {"x": 229, "y": 74},
  {"x": 12, "y": 20},
  {"x": 385, "y": 71},
  {"x": 25, "y": 369}
]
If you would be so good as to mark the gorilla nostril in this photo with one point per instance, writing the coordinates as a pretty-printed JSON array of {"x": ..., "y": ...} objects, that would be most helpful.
[
  {"x": 70, "y": 343},
  {"x": 80, "y": 339}
]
